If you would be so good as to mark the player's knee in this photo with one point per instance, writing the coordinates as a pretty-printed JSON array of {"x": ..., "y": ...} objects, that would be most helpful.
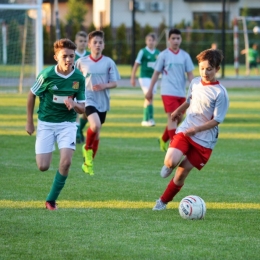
[
  {"x": 65, "y": 164},
  {"x": 43, "y": 167},
  {"x": 169, "y": 163}
]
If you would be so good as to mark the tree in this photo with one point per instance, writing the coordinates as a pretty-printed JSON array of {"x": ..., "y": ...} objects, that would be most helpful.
[
  {"x": 121, "y": 47},
  {"x": 77, "y": 11},
  {"x": 109, "y": 43},
  {"x": 75, "y": 17}
]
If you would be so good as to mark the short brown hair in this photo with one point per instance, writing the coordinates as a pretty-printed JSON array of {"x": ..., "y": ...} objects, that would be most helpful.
[
  {"x": 214, "y": 56},
  {"x": 64, "y": 43},
  {"x": 93, "y": 34},
  {"x": 82, "y": 34}
]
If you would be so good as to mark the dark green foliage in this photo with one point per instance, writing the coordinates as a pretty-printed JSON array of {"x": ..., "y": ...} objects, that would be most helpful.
[
  {"x": 14, "y": 45},
  {"x": 148, "y": 29},
  {"x": 121, "y": 46},
  {"x": 77, "y": 10},
  {"x": 139, "y": 38},
  {"x": 91, "y": 28},
  {"x": 109, "y": 43}
]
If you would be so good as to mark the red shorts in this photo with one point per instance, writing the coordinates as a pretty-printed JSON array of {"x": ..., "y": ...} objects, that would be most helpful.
[
  {"x": 197, "y": 155},
  {"x": 171, "y": 103}
]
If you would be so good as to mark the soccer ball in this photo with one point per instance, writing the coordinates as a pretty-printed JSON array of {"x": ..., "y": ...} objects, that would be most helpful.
[
  {"x": 256, "y": 30},
  {"x": 192, "y": 207}
]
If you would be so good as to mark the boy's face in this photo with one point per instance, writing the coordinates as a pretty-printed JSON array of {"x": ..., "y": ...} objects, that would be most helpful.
[
  {"x": 96, "y": 45},
  {"x": 81, "y": 43},
  {"x": 150, "y": 42},
  {"x": 174, "y": 41},
  {"x": 207, "y": 72},
  {"x": 65, "y": 59}
]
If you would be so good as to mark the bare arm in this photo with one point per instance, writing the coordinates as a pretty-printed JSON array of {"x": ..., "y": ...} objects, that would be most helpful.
[
  {"x": 103, "y": 86},
  {"x": 30, "y": 108},
  {"x": 193, "y": 130},
  {"x": 149, "y": 94},
  {"x": 134, "y": 69},
  {"x": 177, "y": 114},
  {"x": 190, "y": 76},
  {"x": 78, "y": 107}
]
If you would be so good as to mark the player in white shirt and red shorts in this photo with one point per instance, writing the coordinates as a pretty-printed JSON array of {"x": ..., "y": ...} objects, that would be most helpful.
[
  {"x": 101, "y": 75},
  {"x": 173, "y": 63},
  {"x": 207, "y": 104}
]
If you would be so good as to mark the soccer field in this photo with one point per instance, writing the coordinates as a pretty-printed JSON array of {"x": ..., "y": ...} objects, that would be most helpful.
[{"x": 109, "y": 215}]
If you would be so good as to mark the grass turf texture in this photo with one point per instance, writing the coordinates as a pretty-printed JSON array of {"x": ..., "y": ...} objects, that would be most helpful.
[{"x": 109, "y": 216}]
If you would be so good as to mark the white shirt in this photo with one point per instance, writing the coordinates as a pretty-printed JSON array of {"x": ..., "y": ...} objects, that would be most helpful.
[
  {"x": 99, "y": 71},
  {"x": 173, "y": 67},
  {"x": 207, "y": 102}
]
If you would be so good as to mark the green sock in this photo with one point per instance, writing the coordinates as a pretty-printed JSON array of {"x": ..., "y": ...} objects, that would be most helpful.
[
  {"x": 57, "y": 185},
  {"x": 145, "y": 114},
  {"x": 150, "y": 111},
  {"x": 82, "y": 123}
]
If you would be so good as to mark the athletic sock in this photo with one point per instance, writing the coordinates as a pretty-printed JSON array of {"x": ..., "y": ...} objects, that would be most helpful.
[
  {"x": 145, "y": 114},
  {"x": 165, "y": 135},
  {"x": 90, "y": 138},
  {"x": 57, "y": 186},
  {"x": 171, "y": 190},
  {"x": 95, "y": 147},
  {"x": 150, "y": 111},
  {"x": 171, "y": 133},
  {"x": 82, "y": 123}
]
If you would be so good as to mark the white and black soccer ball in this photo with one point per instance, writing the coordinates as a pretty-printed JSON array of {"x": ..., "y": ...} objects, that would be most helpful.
[{"x": 192, "y": 207}]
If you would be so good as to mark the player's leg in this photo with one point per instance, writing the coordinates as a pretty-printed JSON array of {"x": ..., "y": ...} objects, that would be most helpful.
[
  {"x": 102, "y": 117},
  {"x": 148, "y": 110},
  {"x": 60, "y": 178},
  {"x": 65, "y": 134},
  {"x": 82, "y": 123},
  {"x": 174, "y": 185},
  {"x": 179, "y": 146},
  {"x": 44, "y": 145},
  {"x": 92, "y": 135}
]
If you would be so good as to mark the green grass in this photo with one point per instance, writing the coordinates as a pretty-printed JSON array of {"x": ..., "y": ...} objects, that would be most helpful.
[{"x": 108, "y": 216}]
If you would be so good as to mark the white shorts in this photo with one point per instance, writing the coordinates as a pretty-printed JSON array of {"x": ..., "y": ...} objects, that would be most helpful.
[
  {"x": 48, "y": 133},
  {"x": 145, "y": 83}
]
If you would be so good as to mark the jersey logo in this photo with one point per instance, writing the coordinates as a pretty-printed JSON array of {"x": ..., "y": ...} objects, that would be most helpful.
[
  {"x": 54, "y": 87},
  {"x": 75, "y": 85}
]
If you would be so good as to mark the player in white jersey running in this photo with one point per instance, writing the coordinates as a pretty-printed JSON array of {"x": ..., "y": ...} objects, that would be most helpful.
[
  {"x": 101, "y": 75},
  {"x": 56, "y": 87},
  {"x": 81, "y": 40},
  {"x": 146, "y": 58},
  {"x": 207, "y": 103},
  {"x": 173, "y": 63}
]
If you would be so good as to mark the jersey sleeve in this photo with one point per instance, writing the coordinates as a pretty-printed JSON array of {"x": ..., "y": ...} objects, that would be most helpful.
[
  {"x": 189, "y": 66},
  {"x": 113, "y": 72},
  {"x": 38, "y": 86},
  {"x": 221, "y": 107},
  {"x": 139, "y": 57},
  {"x": 159, "y": 64}
]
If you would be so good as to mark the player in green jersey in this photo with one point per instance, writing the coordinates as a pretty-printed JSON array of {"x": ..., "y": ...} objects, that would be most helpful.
[
  {"x": 57, "y": 88},
  {"x": 253, "y": 58},
  {"x": 146, "y": 59},
  {"x": 81, "y": 40}
]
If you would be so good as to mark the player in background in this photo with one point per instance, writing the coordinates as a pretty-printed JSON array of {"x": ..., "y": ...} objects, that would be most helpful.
[
  {"x": 101, "y": 75},
  {"x": 146, "y": 59},
  {"x": 253, "y": 57},
  {"x": 173, "y": 63},
  {"x": 81, "y": 40},
  {"x": 207, "y": 103},
  {"x": 56, "y": 87}
]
